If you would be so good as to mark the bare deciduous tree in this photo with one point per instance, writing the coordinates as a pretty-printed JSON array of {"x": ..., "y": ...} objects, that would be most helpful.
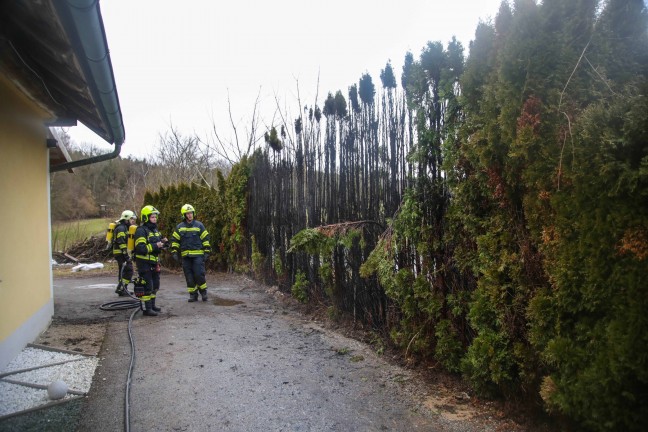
[
  {"x": 185, "y": 159},
  {"x": 234, "y": 149}
]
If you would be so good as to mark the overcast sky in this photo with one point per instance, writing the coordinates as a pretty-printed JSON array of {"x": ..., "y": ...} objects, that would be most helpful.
[{"x": 175, "y": 62}]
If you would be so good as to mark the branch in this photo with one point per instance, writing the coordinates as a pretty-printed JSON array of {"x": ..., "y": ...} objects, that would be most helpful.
[
  {"x": 223, "y": 151},
  {"x": 229, "y": 110},
  {"x": 344, "y": 227},
  {"x": 291, "y": 142},
  {"x": 562, "y": 150},
  {"x": 574, "y": 71},
  {"x": 602, "y": 79},
  {"x": 252, "y": 140}
]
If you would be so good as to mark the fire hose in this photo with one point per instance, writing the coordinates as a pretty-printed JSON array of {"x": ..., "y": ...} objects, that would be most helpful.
[{"x": 136, "y": 304}]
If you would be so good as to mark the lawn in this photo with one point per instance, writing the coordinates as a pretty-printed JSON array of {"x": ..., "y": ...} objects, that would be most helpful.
[{"x": 65, "y": 234}]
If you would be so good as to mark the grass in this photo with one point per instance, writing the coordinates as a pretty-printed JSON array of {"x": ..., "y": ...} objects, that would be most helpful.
[{"x": 65, "y": 234}]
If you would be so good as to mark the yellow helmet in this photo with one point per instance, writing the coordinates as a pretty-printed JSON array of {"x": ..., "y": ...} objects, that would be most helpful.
[
  {"x": 148, "y": 211},
  {"x": 187, "y": 208}
]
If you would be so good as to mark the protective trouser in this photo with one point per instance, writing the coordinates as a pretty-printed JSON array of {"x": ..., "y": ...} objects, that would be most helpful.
[
  {"x": 150, "y": 273},
  {"x": 194, "y": 271},
  {"x": 124, "y": 273}
]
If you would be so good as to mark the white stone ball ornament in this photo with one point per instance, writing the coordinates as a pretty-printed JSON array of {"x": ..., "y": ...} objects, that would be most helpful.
[{"x": 57, "y": 390}]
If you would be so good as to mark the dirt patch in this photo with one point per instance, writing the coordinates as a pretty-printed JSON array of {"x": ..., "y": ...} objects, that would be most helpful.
[
  {"x": 451, "y": 407},
  {"x": 81, "y": 338}
]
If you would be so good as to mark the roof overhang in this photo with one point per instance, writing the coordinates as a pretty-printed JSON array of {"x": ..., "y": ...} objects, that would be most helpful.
[{"x": 56, "y": 53}]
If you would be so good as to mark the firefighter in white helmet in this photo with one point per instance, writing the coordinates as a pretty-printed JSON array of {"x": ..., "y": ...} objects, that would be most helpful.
[
  {"x": 190, "y": 243},
  {"x": 120, "y": 251}
]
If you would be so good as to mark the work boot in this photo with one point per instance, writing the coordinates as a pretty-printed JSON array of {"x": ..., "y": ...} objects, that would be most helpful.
[
  {"x": 193, "y": 297},
  {"x": 120, "y": 290},
  {"x": 155, "y": 308},
  {"x": 203, "y": 294},
  {"x": 148, "y": 311}
]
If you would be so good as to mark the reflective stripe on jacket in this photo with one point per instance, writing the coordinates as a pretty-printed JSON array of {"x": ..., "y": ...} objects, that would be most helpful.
[
  {"x": 191, "y": 239},
  {"x": 120, "y": 239},
  {"x": 146, "y": 238}
]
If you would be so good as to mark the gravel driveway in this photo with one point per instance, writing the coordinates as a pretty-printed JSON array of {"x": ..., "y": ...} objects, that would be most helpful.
[{"x": 243, "y": 361}]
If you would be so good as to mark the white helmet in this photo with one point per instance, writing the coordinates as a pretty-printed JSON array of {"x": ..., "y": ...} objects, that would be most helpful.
[{"x": 127, "y": 215}]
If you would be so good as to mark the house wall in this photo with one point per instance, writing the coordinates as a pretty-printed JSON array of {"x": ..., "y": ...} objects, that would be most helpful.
[{"x": 26, "y": 300}]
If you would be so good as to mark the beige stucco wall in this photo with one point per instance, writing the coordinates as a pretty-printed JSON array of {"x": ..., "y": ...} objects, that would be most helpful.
[{"x": 26, "y": 304}]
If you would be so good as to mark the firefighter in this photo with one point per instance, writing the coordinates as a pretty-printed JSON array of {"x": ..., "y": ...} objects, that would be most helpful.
[
  {"x": 148, "y": 245},
  {"x": 120, "y": 251},
  {"x": 190, "y": 242}
]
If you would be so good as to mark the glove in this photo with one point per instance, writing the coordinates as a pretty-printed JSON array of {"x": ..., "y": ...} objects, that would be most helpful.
[
  {"x": 175, "y": 256},
  {"x": 206, "y": 255}
]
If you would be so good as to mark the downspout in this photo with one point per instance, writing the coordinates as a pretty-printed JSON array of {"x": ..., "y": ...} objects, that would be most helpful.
[{"x": 85, "y": 29}]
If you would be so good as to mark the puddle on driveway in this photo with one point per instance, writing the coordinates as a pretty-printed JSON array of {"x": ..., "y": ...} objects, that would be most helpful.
[{"x": 219, "y": 301}]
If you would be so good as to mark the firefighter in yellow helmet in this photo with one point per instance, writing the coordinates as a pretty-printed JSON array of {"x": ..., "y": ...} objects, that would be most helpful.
[
  {"x": 148, "y": 245},
  {"x": 120, "y": 251},
  {"x": 190, "y": 242}
]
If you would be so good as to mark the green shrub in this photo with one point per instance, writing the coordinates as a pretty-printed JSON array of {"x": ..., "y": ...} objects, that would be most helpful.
[
  {"x": 489, "y": 363},
  {"x": 448, "y": 348},
  {"x": 277, "y": 264},
  {"x": 257, "y": 259},
  {"x": 299, "y": 289}
]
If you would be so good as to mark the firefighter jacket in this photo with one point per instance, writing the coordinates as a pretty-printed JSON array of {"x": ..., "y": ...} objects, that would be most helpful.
[
  {"x": 146, "y": 238},
  {"x": 120, "y": 239},
  {"x": 190, "y": 239}
]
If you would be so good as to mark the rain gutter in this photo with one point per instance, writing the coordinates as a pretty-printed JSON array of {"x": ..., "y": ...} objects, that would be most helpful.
[{"x": 84, "y": 26}]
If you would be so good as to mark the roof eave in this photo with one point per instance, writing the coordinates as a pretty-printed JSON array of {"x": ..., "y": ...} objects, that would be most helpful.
[{"x": 84, "y": 26}]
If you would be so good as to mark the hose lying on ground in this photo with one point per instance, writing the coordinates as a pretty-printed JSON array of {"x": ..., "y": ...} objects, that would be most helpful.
[
  {"x": 133, "y": 303},
  {"x": 121, "y": 305}
]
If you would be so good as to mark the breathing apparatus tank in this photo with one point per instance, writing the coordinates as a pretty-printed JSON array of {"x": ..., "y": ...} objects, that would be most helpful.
[
  {"x": 130, "y": 245},
  {"x": 109, "y": 233}
]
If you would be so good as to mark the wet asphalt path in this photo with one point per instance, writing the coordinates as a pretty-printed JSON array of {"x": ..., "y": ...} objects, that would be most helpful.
[{"x": 243, "y": 361}]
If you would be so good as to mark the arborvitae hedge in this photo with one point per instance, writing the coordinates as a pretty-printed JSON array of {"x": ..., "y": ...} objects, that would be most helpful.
[
  {"x": 221, "y": 209},
  {"x": 553, "y": 189},
  {"x": 518, "y": 255}
]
